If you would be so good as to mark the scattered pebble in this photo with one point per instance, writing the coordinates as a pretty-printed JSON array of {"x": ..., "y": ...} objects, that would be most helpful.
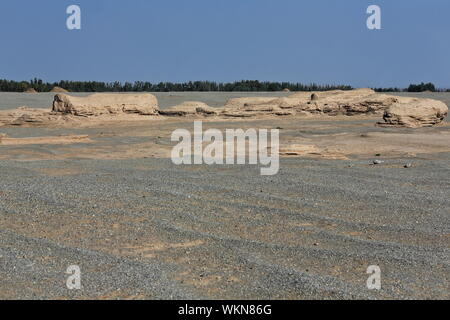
[{"x": 377, "y": 162}]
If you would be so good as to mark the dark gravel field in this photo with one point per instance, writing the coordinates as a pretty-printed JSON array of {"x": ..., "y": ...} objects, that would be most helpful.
[{"x": 146, "y": 229}]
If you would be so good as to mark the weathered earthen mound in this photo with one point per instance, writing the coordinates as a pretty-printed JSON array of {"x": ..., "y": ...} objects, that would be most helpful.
[
  {"x": 58, "y": 90},
  {"x": 24, "y": 116},
  {"x": 360, "y": 101},
  {"x": 190, "y": 108},
  {"x": 415, "y": 113},
  {"x": 30, "y": 90},
  {"x": 100, "y": 104},
  {"x": 352, "y": 102},
  {"x": 240, "y": 102},
  {"x": 398, "y": 111}
]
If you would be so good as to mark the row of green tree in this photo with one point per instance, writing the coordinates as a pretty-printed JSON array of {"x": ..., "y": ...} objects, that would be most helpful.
[
  {"x": 422, "y": 87},
  {"x": 140, "y": 86},
  {"x": 202, "y": 86}
]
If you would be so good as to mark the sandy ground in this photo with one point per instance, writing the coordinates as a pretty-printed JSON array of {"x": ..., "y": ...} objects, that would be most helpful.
[
  {"x": 107, "y": 198},
  {"x": 339, "y": 137}
]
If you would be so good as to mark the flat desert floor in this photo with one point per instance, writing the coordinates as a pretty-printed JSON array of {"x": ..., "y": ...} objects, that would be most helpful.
[{"x": 106, "y": 197}]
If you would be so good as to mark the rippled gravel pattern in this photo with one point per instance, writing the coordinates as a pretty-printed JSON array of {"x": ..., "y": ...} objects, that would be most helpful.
[{"x": 146, "y": 229}]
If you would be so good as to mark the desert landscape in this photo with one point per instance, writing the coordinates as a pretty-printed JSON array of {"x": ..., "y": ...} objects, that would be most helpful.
[{"x": 87, "y": 180}]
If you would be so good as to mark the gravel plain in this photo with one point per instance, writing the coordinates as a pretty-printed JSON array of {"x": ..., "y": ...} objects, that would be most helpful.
[
  {"x": 145, "y": 228},
  {"x": 140, "y": 227}
]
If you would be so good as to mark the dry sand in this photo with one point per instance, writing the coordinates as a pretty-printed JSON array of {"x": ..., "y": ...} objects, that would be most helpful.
[{"x": 314, "y": 137}]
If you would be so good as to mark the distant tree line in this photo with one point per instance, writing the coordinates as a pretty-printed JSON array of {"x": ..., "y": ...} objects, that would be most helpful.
[
  {"x": 389, "y": 89},
  {"x": 422, "y": 87},
  {"x": 140, "y": 86},
  {"x": 202, "y": 86}
]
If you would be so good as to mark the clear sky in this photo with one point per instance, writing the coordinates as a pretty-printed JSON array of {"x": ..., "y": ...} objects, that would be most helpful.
[{"x": 323, "y": 41}]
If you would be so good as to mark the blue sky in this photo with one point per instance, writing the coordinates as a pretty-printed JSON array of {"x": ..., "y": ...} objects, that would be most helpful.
[{"x": 323, "y": 41}]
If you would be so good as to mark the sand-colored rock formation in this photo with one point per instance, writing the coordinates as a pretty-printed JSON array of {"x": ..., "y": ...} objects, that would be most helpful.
[
  {"x": 101, "y": 104},
  {"x": 190, "y": 108},
  {"x": 28, "y": 116},
  {"x": 58, "y": 90},
  {"x": 398, "y": 111},
  {"x": 415, "y": 113},
  {"x": 30, "y": 90},
  {"x": 354, "y": 102},
  {"x": 256, "y": 106},
  {"x": 360, "y": 101},
  {"x": 67, "y": 109},
  {"x": 241, "y": 102}
]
